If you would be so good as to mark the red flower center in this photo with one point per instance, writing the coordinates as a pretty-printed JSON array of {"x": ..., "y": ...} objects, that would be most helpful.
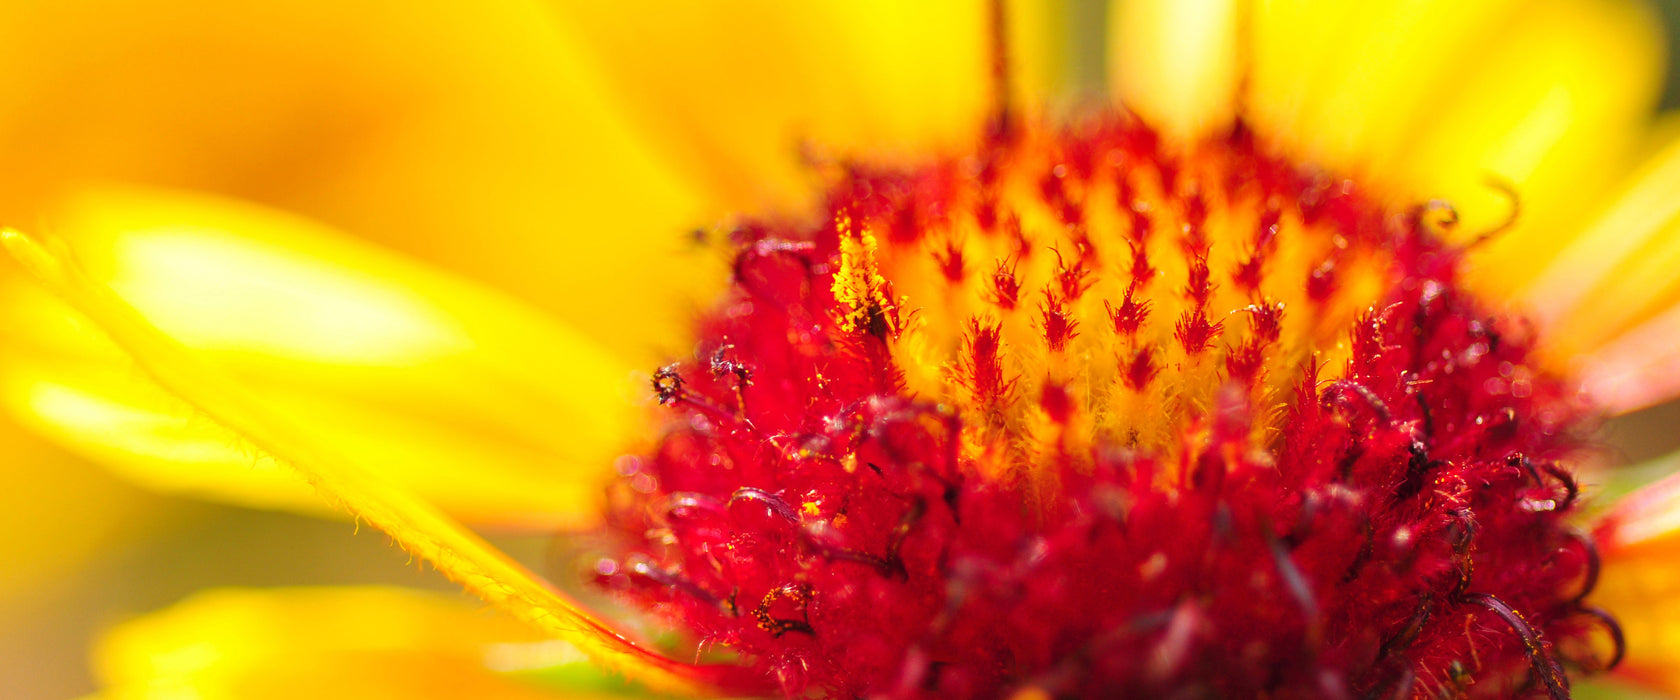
[{"x": 1080, "y": 413}]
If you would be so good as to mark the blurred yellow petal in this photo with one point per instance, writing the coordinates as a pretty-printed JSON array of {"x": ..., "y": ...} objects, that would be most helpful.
[
  {"x": 1610, "y": 302},
  {"x": 735, "y": 89},
  {"x": 1555, "y": 110},
  {"x": 419, "y": 527},
  {"x": 1432, "y": 99},
  {"x": 1635, "y": 370},
  {"x": 58, "y": 511},
  {"x": 1038, "y": 39},
  {"x": 1620, "y": 272},
  {"x": 1342, "y": 82},
  {"x": 468, "y": 134},
  {"x": 1175, "y": 63},
  {"x": 478, "y": 403},
  {"x": 1570, "y": 293},
  {"x": 329, "y": 643},
  {"x": 1639, "y": 541}
]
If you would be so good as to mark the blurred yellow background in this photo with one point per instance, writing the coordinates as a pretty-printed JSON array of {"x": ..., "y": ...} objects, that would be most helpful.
[{"x": 395, "y": 131}]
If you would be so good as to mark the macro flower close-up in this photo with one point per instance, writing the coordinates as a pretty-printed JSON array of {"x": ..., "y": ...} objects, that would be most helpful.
[{"x": 1205, "y": 349}]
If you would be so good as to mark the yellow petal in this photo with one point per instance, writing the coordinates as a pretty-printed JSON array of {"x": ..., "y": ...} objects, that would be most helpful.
[
  {"x": 1433, "y": 98},
  {"x": 468, "y": 134},
  {"x": 1639, "y": 541},
  {"x": 736, "y": 88},
  {"x": 1555, "y": 110},
  {"x": 326, "y": 643},
  {"x": 415, "y": 524},
  {"x": 1341, "y": 82},
  {"x": 1645, "y": 208},
  {"x": 1175, "y": 63},
  {"x": 1620, "y": 272},
  {"x": 1635, "y": 370},
  {"x": 464, "y": 396}
]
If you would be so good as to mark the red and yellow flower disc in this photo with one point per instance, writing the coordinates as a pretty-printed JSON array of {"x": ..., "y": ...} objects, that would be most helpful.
[{"x": 1082, "y": 413}]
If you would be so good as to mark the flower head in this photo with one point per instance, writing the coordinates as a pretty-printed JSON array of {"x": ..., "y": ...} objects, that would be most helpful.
[
  {"x": 1080, "y": 413},
  {"x": 1180, "y": 400}
]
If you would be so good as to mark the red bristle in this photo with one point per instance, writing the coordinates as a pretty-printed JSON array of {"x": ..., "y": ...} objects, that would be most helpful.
[
  {"x": 1055, "y": 188},
  {"x": 982, "y": 363},
  {"x": 1059, "y": 325},
  {"x": 1251, "y": 270},
  {"x": 1141, "y": 368},
  {"x": 1321, "y": 283},
  {"x": 1243, "y": 363},
  {"x": 1074, "y": 278},
  {"x": 1131, "y": 314},
  {"x": 1195, "y": 333},
  {"x": 1056, "y": 402},
  {"x": 951, "y": 263},
  {"x": 1006, "y": 288},
  {"x": 1141, "y": 271},
  {"x": 1200, "y": 285},
  {"x": 1265, "y": 322}
]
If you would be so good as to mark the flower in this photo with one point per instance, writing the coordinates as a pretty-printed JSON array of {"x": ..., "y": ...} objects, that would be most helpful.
[{"x": 293, "y": 388}]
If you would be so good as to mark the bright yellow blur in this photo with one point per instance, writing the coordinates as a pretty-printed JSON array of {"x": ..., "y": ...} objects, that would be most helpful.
[{"x": 548, "y": 160}]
